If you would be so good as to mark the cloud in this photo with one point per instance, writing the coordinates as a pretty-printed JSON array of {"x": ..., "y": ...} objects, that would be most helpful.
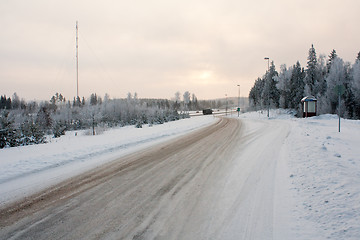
[{"x": 158, "y": 47}]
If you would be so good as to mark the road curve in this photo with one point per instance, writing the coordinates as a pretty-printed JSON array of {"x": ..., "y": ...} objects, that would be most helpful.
[{"x": 205, "y": 185}]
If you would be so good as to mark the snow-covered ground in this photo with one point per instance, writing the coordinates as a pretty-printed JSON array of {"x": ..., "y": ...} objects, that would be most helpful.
[
  {"x": 319, "y": 177},
  {"x": 27, "y": 169},
  {"x": 317, "y": 192}
]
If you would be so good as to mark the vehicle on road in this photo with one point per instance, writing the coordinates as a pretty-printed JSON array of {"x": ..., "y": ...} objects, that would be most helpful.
[{"x": 207, "y": 111}]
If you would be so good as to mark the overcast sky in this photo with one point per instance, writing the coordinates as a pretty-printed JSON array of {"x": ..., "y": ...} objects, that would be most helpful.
[{"x": 158, "y": 47}]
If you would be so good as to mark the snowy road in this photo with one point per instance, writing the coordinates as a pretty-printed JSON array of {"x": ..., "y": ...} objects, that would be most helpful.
[{"x": 218, "y": 182}]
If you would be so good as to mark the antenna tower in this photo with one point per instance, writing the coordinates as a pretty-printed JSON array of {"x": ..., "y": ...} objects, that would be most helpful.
[{"x": 77, "y": 62}]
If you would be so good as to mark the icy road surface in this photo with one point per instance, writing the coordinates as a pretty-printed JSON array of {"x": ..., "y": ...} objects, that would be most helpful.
[{"x": 218, "y": 182}]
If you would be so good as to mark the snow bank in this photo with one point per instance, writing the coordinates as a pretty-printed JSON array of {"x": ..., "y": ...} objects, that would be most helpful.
[
  {"x": 319, "y": 184},
  {"x": 325, "y": 176},
  {"x": 30, "y": 168}
]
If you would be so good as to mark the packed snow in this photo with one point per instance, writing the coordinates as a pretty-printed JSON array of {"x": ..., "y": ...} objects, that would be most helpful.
[
  {"x": 319, "y": 180},
  {"x": 317, "y": 187}
]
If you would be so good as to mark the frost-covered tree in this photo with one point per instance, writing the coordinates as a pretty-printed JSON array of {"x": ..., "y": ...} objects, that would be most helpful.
[
  {"x": 129, "y": 96},
  {"x": 335, "y": 77},
  {"x": 31, "y": 133},
  {"x": 255, "y": 95},
  {"x": 270, "y": 94},
  {"x": 7, "y": 131},
  {"x": 186, "y": 97},
  {"x": 5, "y": 103},
  {"x": 93, "y": 99},
  {"x": 349, "y": 99},
  {"x": 332, "y": 56},
  {"x": 16, "y": 103},
  {"x": 43, "y": 118},
  {"x": 321, "y": 84},
  {"x": 136, "y": 98},
  {"x": 283, "y": 84},
  {"x": 355, "y": 85},
  {"x": 177, "y": 100},
  {"x": 106, "y": 98},
  {"x": 194, "y": 102}
]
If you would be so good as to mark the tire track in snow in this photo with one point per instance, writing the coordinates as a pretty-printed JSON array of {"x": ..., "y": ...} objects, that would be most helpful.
[{"x": 214, "y": 183}]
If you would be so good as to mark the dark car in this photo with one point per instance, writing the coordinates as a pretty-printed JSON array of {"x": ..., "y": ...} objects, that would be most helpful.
[{"x": 207, "y": 111}]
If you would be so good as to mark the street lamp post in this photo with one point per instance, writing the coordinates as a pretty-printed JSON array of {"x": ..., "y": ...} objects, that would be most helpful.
[
  {"x": 268, "y": 95},
  {"x": 239, "y": 101},
  {"x": 268, "y": 60},
  {"x": 226, "y": 105}
]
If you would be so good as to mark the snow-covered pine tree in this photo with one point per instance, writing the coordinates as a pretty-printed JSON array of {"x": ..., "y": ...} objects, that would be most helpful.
[
  {"x": 5, "y": 103},
  {"x": 31, "y": 133},
  {"x": 255, "y": 95},
  {"x": 43, "y": 118},
  {"x": 93, "y": 99},
  {"x": 297, "y": 85},
  {"x": 332, "y": 56},
  {"x": 312, "y": 74},
  {"x": 349, "y": 100},
  {"x": 355, "y": 85},
  {"x": 8, "y": 135},
  {"x": 270, "y": 86}
]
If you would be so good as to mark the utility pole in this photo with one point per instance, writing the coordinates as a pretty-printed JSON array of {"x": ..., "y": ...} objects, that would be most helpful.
[
  {"x": 77, "y": 62},
  {"x": 226, "y": 105},
  {"x": 340, "y": 90},
  {"x": 238, "y": 110}
]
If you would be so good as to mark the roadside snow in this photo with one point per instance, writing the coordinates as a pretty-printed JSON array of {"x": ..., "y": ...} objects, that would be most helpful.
[
  {"x": 325, "y": 176},
  {"x": 24, "y": 170},
  {"x": 318, "y": 182}
]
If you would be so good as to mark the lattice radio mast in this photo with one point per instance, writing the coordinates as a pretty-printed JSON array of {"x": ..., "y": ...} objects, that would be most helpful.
[{"x": 77, "y": 62}]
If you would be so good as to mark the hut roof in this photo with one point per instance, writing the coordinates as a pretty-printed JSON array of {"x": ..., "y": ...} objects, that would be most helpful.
[{"x": 309, "y": 99}]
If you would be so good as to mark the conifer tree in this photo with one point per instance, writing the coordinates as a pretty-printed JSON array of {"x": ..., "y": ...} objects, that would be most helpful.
[
  {"x": 297, "y": 85},
  {"x": 255, "y": 95},
  {"x": 332, "y": 56},
  {"x": 355, "y": 85},
  {"x": 270, "y": 93},
  {"x": 311, "y": 71},
  {"x": 8, "y": 136},
  {"x": 43, "y": 118}
]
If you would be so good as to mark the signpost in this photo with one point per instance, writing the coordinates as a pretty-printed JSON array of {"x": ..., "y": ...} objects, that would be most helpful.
[{"x": 340, "y": 90}]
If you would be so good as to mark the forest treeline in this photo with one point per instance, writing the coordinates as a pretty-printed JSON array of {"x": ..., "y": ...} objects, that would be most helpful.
[
  {"x": 286, "y": 88},
  {"x": 25, "y": 123}
]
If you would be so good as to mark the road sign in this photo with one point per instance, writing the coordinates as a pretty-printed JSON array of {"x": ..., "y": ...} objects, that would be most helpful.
[{"x": 339, "y": 89}]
